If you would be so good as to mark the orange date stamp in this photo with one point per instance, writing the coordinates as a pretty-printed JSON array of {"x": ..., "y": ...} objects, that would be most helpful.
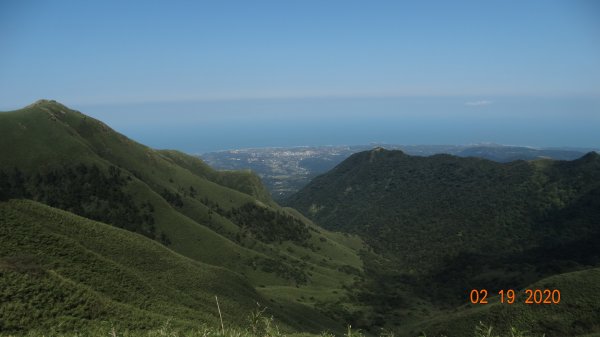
[{"x": 509, "y": 296}]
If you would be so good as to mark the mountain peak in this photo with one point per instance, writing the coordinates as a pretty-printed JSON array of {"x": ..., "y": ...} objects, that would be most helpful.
[
  {"x": 380, "y": 149},
  {"x": 49, "y": 104},
  {"x": 592, "y": 155},
  {"x": 45, "y": 102}
]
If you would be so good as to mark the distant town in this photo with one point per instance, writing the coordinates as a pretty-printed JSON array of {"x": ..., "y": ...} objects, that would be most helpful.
[{"x": 284, "y": 170}]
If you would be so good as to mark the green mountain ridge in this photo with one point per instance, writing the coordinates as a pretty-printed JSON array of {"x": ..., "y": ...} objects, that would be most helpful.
[
  {"x": 443, "y": 225},
  {"x": 285, "y": 170},
  {"x": 65, "y": 159},
  {"x": 397, "y": 200}
]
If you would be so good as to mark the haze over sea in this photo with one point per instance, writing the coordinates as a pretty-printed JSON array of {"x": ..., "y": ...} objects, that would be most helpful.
[{"x": 204, "y": 126}]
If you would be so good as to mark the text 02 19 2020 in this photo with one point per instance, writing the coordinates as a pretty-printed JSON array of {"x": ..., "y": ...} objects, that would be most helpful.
[{"x": 509, "y": 296}]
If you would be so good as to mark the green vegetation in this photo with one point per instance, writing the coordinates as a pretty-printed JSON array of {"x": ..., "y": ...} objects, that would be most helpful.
[
  {"x": 443, "y": 225},
  {"x": 61, "y": 273},
  {"x": 62, "y": 158},
  {"x": 258, "y": 325},
  {"x": 65, "y": 273},
  {"x": 285, "y": 170},
  {"x": 269, "y": 226},
  {"x": 86, "y": 191},
  {"x": 243, "y": 181},
  {"x": 575, "y": 315},
  {"x": 100, "y": 235},
  {"x": 453, "y": 205}
]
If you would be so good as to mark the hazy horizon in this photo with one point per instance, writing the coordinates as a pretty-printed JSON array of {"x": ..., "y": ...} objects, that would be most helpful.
[
  {"x": 215, "y": 125},
  {"x": 206, "y": 126},
  {"x": 206, "y": 76}
]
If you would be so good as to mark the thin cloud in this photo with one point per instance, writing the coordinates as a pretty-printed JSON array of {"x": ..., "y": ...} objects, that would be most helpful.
[{"x": 478, "y": 103}]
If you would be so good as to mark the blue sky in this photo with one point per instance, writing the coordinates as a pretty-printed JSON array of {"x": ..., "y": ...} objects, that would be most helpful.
[{"x": 112, "y": 58}]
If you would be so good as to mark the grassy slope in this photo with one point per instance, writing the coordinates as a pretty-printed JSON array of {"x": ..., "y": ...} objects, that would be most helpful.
[
  {"x": 48, "y": 135},
  {"x": 40, "y": 140},
  {"x": 243, "y": 181},
  {"x": 58, "y": 268},
  {"x": 61, "y": 271}
]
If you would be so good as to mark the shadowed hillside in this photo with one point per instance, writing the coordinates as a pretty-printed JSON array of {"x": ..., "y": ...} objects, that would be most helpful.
[{"x": 443, "y": 225}]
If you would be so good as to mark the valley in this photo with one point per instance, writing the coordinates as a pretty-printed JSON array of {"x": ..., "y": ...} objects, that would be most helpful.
[
  {"x": 95, "y": 227},
  {"x": 300, "y": 168}
]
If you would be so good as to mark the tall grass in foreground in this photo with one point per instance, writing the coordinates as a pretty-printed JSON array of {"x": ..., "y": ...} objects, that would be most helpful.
[
  {"x": 262, "y": 327},
  {"x": 484, "y": 330},
  {"x": 259, "y": 325}
]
